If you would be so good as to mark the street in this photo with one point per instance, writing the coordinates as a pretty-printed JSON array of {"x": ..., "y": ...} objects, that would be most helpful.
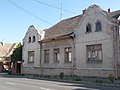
[{"x": 9, "y": 83}]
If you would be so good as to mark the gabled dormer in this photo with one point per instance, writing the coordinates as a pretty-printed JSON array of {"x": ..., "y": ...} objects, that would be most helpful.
[
  {"x": 94, "y": 21},
  {"x": 32, "y": 35},
  {"x": 31, "y": 47}
]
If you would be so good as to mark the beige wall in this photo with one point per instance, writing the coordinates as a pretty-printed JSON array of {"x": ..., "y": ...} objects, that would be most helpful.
[
  {"x": 33, "y": 46},
  {"x": 103, "y": 37},
  {"x": 82, "y": 68},
  {"x": 55, "y": 68}
]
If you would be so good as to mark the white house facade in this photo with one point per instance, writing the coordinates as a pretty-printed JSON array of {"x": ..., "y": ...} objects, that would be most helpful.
[
  {"x": 95, "y": 43},
  {"x": 31, "y": 51},
  {"x": 84, "y": 45}
]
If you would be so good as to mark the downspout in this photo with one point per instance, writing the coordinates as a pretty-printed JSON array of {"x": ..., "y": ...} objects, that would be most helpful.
[
  {"x": 74, "y": 55},
  {"x": 115, "y": 31},
  {"x": 40, "y": 57},
  {"x": 74, "y": 51}
]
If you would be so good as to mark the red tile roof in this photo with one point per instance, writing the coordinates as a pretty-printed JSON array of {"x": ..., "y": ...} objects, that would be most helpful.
[{"x": 6, "y": 49}]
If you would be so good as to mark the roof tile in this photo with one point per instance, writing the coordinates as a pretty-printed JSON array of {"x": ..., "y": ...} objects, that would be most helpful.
[{"x": 63, "y": 27}]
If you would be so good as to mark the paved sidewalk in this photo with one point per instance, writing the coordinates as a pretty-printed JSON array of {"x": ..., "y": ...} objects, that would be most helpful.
[{"x": 115, "y": 84}]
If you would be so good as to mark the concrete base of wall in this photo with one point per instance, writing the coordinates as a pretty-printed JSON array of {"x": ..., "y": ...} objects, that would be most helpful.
[
  {"x": 93, "y": 72},
  {"x": 31, "y": 70},
  {"x": 68, "y": 72},
  {"x": 56, "y": 72}
]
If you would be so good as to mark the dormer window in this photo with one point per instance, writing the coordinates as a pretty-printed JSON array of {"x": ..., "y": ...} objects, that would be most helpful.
[
  {"x": 33, "y": 38},
  {"x": 98, "y": 26},
  {"x": 88, "y": 28},
  {"x": 29, "y": 40}
]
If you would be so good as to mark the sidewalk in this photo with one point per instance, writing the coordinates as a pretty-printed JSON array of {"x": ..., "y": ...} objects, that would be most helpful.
[
  {"x": 10, "y": 76},
  {"x": 89, "y": 81}
]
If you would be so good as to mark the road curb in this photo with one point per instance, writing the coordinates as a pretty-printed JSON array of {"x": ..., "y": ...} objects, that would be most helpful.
[{"x": 60, "y": 80}]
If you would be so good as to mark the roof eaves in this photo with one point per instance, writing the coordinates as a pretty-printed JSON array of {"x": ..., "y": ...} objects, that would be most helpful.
[
  {"x": 115, "y": 14},
  {"x": 57, "y": 37}
]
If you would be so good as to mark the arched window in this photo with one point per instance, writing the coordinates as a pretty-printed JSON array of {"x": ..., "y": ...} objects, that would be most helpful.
[
  {"x": 88, "y": 28},
  {"x": 29, "y": 40},
  {"x": 33, "y": 38},
  {"x": 98, "y": 26}
]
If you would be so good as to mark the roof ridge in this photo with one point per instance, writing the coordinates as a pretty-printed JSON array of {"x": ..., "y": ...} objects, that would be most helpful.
[{"x": 115, "y": 14}]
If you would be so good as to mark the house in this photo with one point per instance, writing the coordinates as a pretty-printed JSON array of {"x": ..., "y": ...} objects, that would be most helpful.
[
  {"x": 97, "y": 43},
  {"x": 84, "y": 45},
  {"x": 31, "y": 51},
  {"x": 6, "y": 49}
]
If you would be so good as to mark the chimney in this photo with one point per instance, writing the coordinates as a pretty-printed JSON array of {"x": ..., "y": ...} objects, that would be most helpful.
[
  {"x": 84, "y": 11},
  {"x": 3, "y": 42},
  {"x": 108, "y": 10}
]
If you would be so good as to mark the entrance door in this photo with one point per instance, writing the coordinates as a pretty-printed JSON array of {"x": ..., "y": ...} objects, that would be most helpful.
[{"x": 18, "y": 68}]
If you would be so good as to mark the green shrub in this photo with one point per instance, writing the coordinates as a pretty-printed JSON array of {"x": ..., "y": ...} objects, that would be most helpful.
[
  {"x": 76, "y": 79},
  {"x": 111, "y": 78},
  {"x": 99, "y": 81},
  {"x": 10, "y": 72},
  {"x": 61, "y": 75}
]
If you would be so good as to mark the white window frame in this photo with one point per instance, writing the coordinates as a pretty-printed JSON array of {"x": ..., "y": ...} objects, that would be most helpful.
[{"x": 94, "y": 53}]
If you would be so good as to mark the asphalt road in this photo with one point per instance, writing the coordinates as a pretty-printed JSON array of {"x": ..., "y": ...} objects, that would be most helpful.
[{"x": 7, "y": 83}]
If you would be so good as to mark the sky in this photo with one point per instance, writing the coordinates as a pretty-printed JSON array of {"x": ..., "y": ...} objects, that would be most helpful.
[{"x": 17, "y": 15}]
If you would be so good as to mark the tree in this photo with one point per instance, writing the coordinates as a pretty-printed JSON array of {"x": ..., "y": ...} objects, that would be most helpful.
[{"x": 17, "y": 53}]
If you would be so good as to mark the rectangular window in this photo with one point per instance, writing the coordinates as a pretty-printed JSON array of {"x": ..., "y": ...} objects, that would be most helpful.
[
  {"x": 68, "y": 55},
  {"x": 46, "y": 56},
  {"x": 94, "y": 53},
  {"x": 56, "y": 55},
  {"x": 31, "y": 56}
]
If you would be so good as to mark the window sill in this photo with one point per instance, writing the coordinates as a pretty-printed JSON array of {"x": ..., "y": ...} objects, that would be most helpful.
[
  {"x": 57, "y": 62},
  {"x": 30, "y": 62},
  {"x": 46, "y": 63},
  {"x": 98, "y": 30},
  {"x": 88, "y": 32},
  {"x": 68, "y": 62},
  {"x": 94, "y": 61}
]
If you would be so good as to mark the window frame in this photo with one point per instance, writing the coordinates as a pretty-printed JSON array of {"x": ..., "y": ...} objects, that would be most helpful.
[
  {"x": 94, "y": 53},
  {"x": 46, "y": 56},
  {"x": 56, "y": 55},
  {"x": 98, "y": 26},
  {"x": 67, "y": 53},
  {"x": 33, "y": 39},
  {"x": 29, "y": 39},
  {"x": 88, "y": 27},
  {"x": 31, "y": 54}
]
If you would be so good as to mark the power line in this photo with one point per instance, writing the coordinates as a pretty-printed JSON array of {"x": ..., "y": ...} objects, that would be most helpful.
[
  {"x": 61, "y": 12},
  {"x": 54, "y": 6},
  {"x": 28, "y": 12}
]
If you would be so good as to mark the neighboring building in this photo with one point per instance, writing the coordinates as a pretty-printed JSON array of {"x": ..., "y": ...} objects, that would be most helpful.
[
  {"x": 84, "y": 45},
  {"x": 6, "y": 50},
  {"x": 31, "y": 51}
]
